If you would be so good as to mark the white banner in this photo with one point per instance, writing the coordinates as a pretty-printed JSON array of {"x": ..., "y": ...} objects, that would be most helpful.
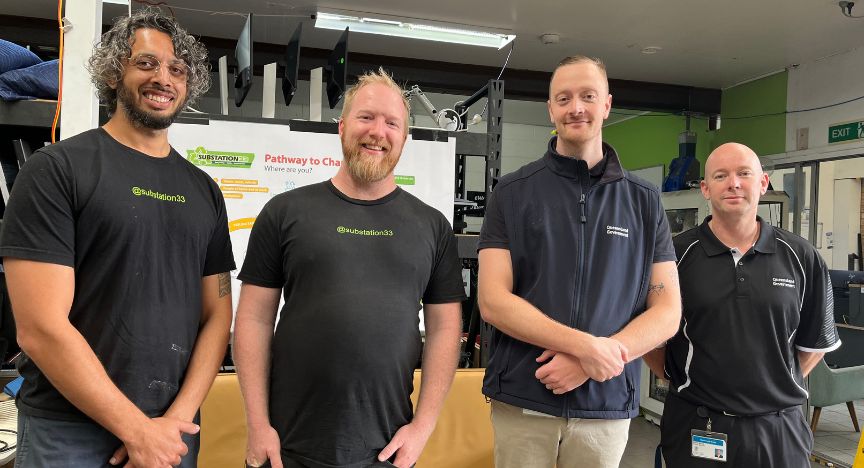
[{"x": 253, "y": 162}]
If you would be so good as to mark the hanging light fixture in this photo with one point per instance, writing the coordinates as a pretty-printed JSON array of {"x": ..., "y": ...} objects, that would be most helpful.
[{"x": 392, "y": 26}]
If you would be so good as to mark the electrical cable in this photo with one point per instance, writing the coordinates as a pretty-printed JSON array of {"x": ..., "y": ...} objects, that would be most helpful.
[
  {"x": 797, "y": 111},
  {"x": 652, "y": 114},
  {"x": 742, "y": 117},
  {"x": 298, "y": 15},
  {"x": 215, "y": 12},
  {"x": 238, "y": 13},
  {"x": 59, "y": 73},
  {"x": 506, "y": 61},
  {"x": 500, "y": 74}
]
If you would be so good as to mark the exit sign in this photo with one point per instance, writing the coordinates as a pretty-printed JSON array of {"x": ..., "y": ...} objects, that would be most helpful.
[{"x": 846, "y": 132}]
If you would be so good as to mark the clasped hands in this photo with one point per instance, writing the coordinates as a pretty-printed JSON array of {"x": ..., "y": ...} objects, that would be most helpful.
[{"x": 602, "y": 360}]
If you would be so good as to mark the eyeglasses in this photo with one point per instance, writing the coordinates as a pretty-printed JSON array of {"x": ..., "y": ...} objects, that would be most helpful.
[{"x": 177, "y": 69}]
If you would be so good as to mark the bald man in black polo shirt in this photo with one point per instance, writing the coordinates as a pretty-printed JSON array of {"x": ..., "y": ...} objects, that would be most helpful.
[{"x": 757, "y": 317}]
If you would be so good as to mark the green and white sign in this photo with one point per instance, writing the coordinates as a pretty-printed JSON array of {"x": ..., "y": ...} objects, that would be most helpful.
[
  {"x": 203, "y": 157},
  {"x": 846, "y": 132},
  {"x": 405, "y": 179}
]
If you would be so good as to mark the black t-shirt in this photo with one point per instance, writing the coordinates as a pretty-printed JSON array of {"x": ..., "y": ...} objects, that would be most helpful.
[
  {"x": 344, "y": 351},
  {"x": 140, "y": 232},
  {"x": 744, "y": 322}
]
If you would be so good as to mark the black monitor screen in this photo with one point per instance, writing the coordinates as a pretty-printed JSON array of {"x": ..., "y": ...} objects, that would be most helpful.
[
  {"x": 337, "y": 71},
  {"x": 243, "y": 55},
  {"x": 292, "y": 65}
]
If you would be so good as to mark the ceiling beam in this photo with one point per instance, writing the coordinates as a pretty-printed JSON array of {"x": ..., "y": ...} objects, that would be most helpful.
[{"x": 431, "y": 76}]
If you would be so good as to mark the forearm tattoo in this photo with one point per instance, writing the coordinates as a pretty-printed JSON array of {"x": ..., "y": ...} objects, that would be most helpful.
[{"x": 224, "y": 284}]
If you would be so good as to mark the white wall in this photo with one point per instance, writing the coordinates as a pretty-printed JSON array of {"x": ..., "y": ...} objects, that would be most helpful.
[
  {"x": 847, "y": 224},
  {"x": 824, "y": 82},
  {"x": 525, "y": 135}
]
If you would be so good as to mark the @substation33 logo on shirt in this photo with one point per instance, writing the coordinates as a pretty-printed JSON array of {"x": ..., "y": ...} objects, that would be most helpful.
[{"x": 365, "y": 231}]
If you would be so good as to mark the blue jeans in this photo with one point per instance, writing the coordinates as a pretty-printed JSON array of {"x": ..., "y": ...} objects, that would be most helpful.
[{"x": 44, "y": 442}]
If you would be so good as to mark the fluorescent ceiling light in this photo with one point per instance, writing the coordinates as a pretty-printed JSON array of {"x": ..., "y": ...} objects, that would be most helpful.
[
  {"x": 117, "y": 2},
  {"x": 389, "y": 27}
]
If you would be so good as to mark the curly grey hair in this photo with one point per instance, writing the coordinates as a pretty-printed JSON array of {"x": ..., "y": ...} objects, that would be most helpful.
[{"x": 106, "y": 63}]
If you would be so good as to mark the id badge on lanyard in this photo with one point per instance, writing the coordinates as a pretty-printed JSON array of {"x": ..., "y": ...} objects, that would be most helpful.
[{"x": 707, "y": 444}]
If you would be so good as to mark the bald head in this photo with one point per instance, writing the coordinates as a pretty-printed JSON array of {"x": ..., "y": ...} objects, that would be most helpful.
[
  {"x": 734, "y": 182},
  {"x": 724, "y": 152}
]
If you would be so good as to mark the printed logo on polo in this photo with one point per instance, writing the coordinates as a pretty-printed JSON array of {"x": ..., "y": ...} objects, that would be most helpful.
[
  {"x": 142, "y": 192},
  {"x": 365, "y": 231},
  {"x": 204, "y": 157},
  {"x": 783, "y": 282},
  {"x": 618, "y": 231}
]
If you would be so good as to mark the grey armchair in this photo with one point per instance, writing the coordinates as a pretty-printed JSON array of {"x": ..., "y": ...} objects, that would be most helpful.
[{"x": 834, "y": 386}]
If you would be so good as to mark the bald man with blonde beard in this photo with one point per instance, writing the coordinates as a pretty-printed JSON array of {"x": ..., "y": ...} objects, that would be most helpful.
[{"x": 757, "y": 317}]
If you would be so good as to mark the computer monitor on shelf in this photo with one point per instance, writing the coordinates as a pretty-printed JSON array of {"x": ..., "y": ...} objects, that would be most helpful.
[{"x": 243, "y": 55}]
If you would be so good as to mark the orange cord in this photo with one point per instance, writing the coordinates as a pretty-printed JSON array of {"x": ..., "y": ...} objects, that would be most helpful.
[{"x": 59, "y": 73}]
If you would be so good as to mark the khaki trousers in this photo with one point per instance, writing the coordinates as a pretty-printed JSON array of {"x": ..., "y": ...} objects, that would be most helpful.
[{"x": 535, "y": 441}]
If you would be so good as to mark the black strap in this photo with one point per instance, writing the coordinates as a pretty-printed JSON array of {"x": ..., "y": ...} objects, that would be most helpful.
[{"x": 702, "y": 410}]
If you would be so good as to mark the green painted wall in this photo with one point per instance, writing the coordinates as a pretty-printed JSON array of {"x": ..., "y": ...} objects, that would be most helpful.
[
  {"x": 652, "y": 139},
  {"x": 765, "y": 135}
]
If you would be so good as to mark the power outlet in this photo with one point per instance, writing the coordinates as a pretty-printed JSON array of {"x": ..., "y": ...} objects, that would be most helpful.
[{"x": 803, "y": 139}]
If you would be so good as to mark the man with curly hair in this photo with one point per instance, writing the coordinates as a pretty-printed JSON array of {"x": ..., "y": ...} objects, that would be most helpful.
[{"x": 117, "y": 259}]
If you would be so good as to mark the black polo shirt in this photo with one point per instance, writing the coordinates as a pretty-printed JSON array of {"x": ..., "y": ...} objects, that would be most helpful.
[{"x": 742, "y": 323}]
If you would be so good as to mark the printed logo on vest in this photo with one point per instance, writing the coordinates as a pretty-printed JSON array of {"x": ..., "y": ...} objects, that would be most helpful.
[
  {"x": 783, "y": 282},
  {"x": 618, "y": 231}
]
